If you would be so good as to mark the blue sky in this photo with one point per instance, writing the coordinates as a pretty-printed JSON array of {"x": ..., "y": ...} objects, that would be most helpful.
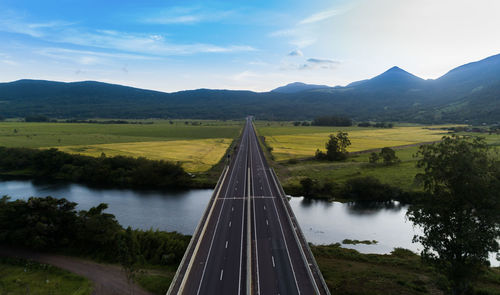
[{"x": 256, "y": 45}]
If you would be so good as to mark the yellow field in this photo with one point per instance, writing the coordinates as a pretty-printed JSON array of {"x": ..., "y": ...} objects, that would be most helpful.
[
  {"x": 196, "y": 155},
  {"x": 305, "y": 144}
]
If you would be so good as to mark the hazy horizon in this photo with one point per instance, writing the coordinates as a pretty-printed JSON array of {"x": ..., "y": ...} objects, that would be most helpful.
[{"x": 254, "y": 46}]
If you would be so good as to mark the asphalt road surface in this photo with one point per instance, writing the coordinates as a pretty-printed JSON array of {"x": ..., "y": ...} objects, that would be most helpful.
[{"x": 246, "y": 242}]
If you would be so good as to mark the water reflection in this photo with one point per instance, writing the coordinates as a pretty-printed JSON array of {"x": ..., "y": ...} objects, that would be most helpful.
[
  {"x": 322, "y": 222},
  {"x": 166, "y": 210},
  {"x": 367, "y": 208}
]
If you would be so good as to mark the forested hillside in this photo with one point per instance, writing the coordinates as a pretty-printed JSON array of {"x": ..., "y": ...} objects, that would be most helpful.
[{"x": 467, "y": 94}]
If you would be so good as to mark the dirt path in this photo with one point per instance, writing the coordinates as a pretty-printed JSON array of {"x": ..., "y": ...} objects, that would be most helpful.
[{"x": 107, "y": 279}]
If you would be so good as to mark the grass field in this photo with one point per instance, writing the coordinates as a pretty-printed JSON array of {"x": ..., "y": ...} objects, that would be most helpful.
[
  {"x": 198, "y": 147},
  {"x": 401, "y": 175},
  {"x": 22, "y": 277},
  {"x": 300, "y": 142},
  {"x": 289, "y": 142},
  {"x": 347, "y": 271}
]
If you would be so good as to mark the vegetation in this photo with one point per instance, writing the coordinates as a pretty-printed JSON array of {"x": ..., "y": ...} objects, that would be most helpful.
[
  {"x": 198, "y": 147},
  {"x": 299, "y": 142},
  {"x": 36, "y": 118},
  {"x": 459, "y": 216},
  {"x": 347, "y": 271},
  {"x": 355, "y": 242},
  {"x": 332, "y": 121},
  {"x": 49, "y": 224},
  {"x": 336, "y": 148},
  {"x": 376, "y": 125},
  {"x": 54, "y": 224},
  {"x": 387, "y": 155},
  {"x": 18, "y": 276},
  {"x": 116, "y": 171},
  {"x": 361, "y": 189}
]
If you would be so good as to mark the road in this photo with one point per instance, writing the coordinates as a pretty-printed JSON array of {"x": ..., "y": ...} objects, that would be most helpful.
[{"x": 248, "y": 241}]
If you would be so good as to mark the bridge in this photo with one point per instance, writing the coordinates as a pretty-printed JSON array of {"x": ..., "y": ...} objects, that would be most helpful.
[{"x": 248, "y": 241}]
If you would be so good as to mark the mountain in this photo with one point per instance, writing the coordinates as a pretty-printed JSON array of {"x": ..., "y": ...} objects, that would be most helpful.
[
  {"x": 469, "y": 93},
  {"x": 298, "y": 87},
  {"x": 393, "y": 79}
]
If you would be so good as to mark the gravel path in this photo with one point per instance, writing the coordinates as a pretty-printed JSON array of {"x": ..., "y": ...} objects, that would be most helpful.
[{"x": 107, "y": 279}]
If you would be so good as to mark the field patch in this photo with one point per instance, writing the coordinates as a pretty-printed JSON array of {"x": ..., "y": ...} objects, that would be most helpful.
[
  {"x": 196, "y": 155},
  {"x": 197, "y": 144},
  {"x": 287, "y": 145}
]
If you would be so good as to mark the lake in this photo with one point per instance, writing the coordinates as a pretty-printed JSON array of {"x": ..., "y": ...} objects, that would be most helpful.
[{"x": 322, "y": 222}]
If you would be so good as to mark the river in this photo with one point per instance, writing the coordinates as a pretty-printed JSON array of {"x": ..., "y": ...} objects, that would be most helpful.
[{"x": 322, "y": 222}]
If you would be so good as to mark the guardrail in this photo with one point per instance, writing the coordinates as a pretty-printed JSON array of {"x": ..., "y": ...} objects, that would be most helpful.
[
  {"x": 298, "y": 232},
  {"x": 197, "y": 233}
]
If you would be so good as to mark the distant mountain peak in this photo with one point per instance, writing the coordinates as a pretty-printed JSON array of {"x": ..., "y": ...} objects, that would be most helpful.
[{"x": 396, "y": 69}]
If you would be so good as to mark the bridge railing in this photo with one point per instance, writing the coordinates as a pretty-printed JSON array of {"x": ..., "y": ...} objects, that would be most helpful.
[
  {"x": 299, "y": 235},
  {"x": 180, "y": 273}
]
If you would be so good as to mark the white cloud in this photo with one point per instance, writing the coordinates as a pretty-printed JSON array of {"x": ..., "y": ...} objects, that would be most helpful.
[
  {"x": 146, "y": 44},
  {"x": 309, "y": 64},
  {"x": 320, "y": 16},
  {"x": 186, "y": 15},
  {"x": 296, "y": 52},
  {"x": 316, "y": 63}
]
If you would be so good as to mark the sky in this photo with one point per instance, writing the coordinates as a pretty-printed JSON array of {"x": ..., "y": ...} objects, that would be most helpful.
[{"x": 255, "y": 45}]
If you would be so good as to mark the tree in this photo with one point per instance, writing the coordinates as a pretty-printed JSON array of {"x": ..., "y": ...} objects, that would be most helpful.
[
  {"x": 307, "y": 186},
  {"x": 336, "y": 147},
  {"x": 374, "y": 157},
  {"x": 459, "y": 216},
  {"x": 388, "y": 155}
]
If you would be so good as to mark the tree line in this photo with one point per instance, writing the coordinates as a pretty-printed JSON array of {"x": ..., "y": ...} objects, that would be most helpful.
[
  {"x": 54, "y": 224},
  {"x": 118, "y": 171},
  {"x": 332, "y": 121}
]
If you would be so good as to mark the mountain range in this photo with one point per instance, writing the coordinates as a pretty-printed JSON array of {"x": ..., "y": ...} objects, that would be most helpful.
[{"x": 466, "y": 94}]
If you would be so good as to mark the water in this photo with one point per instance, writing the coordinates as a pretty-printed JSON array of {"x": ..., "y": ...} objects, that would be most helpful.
[
  {"x": 170, "y": 211},
  {"x": 322, "y": 222}
]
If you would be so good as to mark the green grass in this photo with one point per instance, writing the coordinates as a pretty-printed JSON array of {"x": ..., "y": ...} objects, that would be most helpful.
[
  {"x": 401, "y": 175},
  {"x": 156, "y": 280},
  {"x": 347, "y": 271},
  {"x": 197, "y": 147},
  {"x": 26, "y": 277}
]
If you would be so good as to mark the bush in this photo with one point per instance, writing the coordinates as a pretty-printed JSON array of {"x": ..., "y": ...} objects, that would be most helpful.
[
  {"x": 332, "y": 121},
  {"x": 54, "y": 224},
  {"x": 369, "y": 189},
  {"x": 116, "y": 171}
]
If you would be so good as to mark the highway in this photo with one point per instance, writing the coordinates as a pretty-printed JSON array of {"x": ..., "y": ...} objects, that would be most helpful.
[{"x": 248, "y": 241}]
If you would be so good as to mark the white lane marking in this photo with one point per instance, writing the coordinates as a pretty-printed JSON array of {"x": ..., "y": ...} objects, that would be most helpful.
[
  {"x": 216, "y": 226},
  {"x": 264, "y": 207},
  {"x": 261, "y": 188},
  {"x": 243, "y": 221},
  {"x": 281, "y": 226},
  {"x": 255, "y": 232},
  {"x": 267, "y": 222},
  {"x": 235, "y": 188},
  {"x": 272, "y": 257},
  {"x": 229, "y": 223},
  {"x": 226, "y": 244},
  {"x": 232, "y": 208},
  {"x": 221, "y": 274}
]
